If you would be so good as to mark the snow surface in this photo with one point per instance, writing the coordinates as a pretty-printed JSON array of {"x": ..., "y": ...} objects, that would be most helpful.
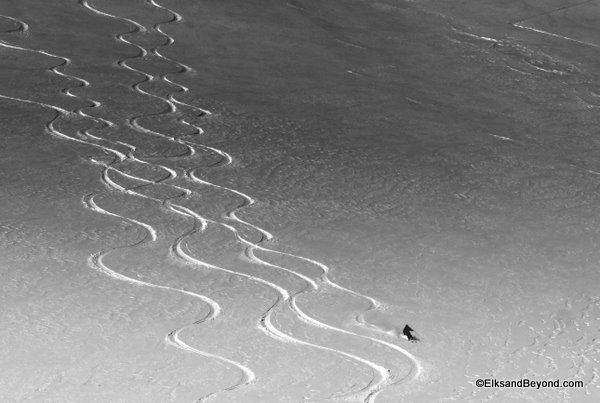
[{"x": 247, "y": 201}]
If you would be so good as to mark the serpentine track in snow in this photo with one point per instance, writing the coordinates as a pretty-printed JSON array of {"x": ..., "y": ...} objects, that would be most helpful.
[{"x": 369, "y": 393}]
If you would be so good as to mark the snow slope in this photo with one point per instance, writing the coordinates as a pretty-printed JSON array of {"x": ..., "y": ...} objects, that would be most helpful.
[{"x": 247, "y": 201}]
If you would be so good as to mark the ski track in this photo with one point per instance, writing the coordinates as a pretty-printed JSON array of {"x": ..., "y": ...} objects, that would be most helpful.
[
  {"x": 95, "y": 261},
  {"x": 251, "y": 246},
  {"x": 284, "y": 294},
  {"x": 373, "y": 388}
]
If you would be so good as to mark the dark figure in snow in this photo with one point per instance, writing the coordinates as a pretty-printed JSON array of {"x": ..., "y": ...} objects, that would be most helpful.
[{"x": 408, "y": 335}]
